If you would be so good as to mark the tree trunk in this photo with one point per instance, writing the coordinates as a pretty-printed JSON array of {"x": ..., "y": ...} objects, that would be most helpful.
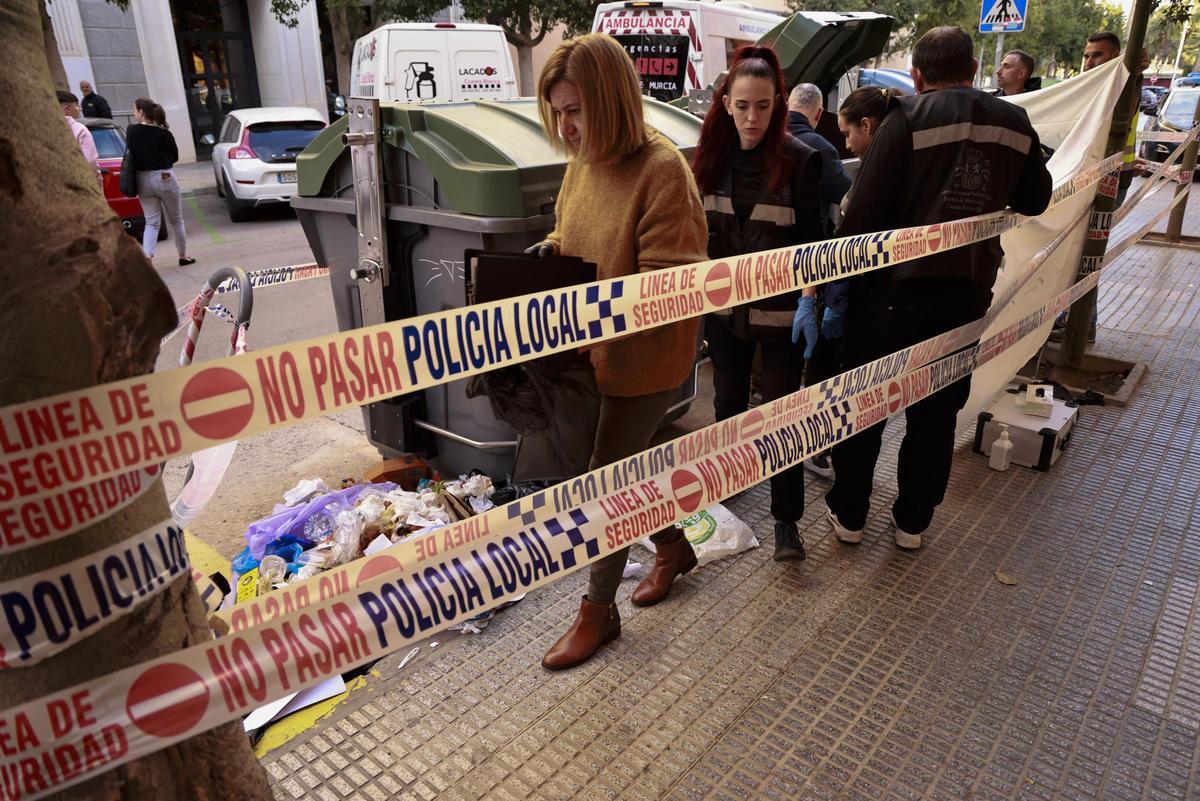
[
  {"x": 343, "y": 45},
  {"x": 525, "y": 68},
  {"x": 58, "y": 73},
  {"x": 87, "y": 307}
]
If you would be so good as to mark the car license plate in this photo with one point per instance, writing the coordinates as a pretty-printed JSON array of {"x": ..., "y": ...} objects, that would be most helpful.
[{"x": 287, "y": 177}]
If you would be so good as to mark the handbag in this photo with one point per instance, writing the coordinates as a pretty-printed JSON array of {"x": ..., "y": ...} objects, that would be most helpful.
[{"x": 128, "y": 180}]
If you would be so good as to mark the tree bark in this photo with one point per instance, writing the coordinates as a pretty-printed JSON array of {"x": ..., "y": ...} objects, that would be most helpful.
[
  {"x": 87, "y": 307},
  {"x": 58, "y": 73},
  {"x": 343, "y": 44},
  {"x": 525, "y": 68}
]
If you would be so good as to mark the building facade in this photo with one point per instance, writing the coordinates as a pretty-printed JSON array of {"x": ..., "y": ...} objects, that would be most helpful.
[{"x": 198, "y": 59}]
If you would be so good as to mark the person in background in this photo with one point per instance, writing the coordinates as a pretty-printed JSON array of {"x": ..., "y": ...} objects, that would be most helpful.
[
  {"x": 859, "y": 117},
  {"x": 1101, "y": 48},
  {"x": 93, "y": 104},
  {"x": 87, "y": 144},
  {"x": 805, "y": 106},
  {"x": 762, "y": 190},
  {"x": 950, "y": 152},
  {"x": 627, "y": 203},
  {"x": 1015, "y": 74},
  {"x": 154, "y": 153}
]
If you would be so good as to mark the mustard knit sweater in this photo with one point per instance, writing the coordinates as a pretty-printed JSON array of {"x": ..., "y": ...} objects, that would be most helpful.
[{"x": 633, "y": 215}]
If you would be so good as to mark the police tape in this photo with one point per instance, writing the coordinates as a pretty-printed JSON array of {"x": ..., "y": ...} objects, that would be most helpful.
[
  {"x": 268, "y": 276},
  {"x": 70, "y": 510},
  {"x": 79, "y": 437},
  {"x": 45, "y": 612},
  {"x": 1165, "y": 136},
  {"x": 73, "y": 734},
  {"x": 813, "y": 399},
  {"x": 1159, "y": 177}
]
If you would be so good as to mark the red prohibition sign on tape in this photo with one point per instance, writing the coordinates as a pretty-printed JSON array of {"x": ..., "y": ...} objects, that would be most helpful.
[
  {"x": 895, "y": 397},
  {"x": 687, "y": 489},
  {"x": 167, "y": 700},
  {"x": 718, "y": 284},
  {"x": 377, "y": 566},
  {"x": 217, "y": 403},
  {"x": 752, "y": 426},
  {"x": 933, "y": 235}
]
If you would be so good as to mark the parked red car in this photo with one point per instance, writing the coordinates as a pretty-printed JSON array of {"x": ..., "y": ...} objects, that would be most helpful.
[{"x": 110, "y": 146}]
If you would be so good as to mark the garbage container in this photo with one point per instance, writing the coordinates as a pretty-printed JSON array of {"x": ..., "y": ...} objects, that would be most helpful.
[{"x": 456, "y": 176}]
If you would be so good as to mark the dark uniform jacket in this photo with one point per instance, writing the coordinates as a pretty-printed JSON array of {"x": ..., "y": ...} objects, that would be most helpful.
[
  {"x": 944, "y": 155},
  {"x": 835, "y": 182},
  {"x": 94, "y": 105},
  {"x": 1031, "y": 85},
  {"x": 790, "y": 216}
]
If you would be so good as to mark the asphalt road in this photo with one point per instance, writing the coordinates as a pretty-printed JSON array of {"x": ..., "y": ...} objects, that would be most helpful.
[{"x": 267, "y": 465}]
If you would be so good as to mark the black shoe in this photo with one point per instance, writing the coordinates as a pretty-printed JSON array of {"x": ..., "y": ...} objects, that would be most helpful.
[
  {"x": 184, "y": 261},
  {"x": 788, "y": 544}
]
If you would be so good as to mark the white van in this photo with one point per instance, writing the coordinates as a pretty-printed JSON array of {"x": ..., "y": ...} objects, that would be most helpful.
[
  {"x": 680, "y": 46},
  {"x": 414, "y": 62}
]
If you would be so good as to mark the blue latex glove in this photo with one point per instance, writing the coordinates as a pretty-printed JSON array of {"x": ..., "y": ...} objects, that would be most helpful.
[
  {"x": 805, "y": 322},
  {"x": 831, "y": 324}
]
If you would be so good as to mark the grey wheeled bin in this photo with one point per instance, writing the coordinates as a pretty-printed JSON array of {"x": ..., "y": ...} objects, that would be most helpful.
[{"x": 456, "y": 176}]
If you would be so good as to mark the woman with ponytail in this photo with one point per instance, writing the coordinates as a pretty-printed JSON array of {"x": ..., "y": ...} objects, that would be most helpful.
[{"x": 761, "y": 190}]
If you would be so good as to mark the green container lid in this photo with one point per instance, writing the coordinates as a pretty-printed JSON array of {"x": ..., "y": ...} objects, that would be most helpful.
[
  {"x": 490, "y": 157},
  {"x": 818, "y": 47}
]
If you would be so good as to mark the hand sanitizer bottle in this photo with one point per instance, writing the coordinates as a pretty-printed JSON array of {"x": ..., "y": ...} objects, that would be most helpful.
[{"x": 1001, "y": 451}]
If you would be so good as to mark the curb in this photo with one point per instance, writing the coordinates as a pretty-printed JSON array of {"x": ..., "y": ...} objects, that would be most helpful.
[{"x": 203, "y": 190}]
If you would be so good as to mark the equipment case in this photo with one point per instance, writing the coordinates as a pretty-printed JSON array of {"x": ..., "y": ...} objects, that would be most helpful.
[{"x": 1037, "y": 441}]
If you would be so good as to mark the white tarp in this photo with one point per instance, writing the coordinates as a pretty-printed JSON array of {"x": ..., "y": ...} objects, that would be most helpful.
[{"x": 1073, "y": 118}]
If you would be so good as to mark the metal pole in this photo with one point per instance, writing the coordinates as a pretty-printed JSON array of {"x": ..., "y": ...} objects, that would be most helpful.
[
  {"x": 1187, "y": 23},
  {"x": 999, "y": 56},
  {"x": 1080, "y": 319},
  {"x": 1175, "y": 223}
]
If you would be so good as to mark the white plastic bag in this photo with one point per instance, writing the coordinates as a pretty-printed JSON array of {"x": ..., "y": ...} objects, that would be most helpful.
[{"x": 714, "y": 532}]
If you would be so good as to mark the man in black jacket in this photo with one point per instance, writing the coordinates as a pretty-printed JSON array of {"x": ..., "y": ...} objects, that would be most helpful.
[
  {"x": 1015, "y": 75},
  {"x": 93, "y": 105},
  {"x": 947, "y": 153},
  {"x": 804, "y": 111}
]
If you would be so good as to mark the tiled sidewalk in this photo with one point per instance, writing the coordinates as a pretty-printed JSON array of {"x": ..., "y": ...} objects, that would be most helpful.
[{"x": 864, "y": 672}]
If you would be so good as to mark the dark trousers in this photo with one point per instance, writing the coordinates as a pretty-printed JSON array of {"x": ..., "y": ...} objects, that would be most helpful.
[
  {"x": 883, "y": 319},
  {"x": 626, "y": 427},
  {"x": 782, "y": 366}
]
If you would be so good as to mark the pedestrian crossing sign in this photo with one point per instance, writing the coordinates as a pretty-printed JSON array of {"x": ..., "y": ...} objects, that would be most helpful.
[{"x": 1002, "y": 16}]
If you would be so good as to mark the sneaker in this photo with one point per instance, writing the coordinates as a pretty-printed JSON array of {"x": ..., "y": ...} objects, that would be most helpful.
[
  {"x": 909, "y": 542},
  {"x": 788, "y": 544},
  {"x": 820, "y": 465},
  {"x": 846, "y": 535}
]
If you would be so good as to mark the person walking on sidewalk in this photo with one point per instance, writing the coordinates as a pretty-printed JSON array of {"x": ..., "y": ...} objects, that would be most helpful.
[
  {"x": 762, "y": 190},
  {"x": 154, "y": 153},
  {"x": 627, "y": 203},
  {"x": 949, "y": 152}
]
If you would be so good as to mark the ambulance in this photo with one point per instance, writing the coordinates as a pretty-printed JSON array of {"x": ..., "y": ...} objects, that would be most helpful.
[
  {"x": 419, "y": 62},
  {"x": 681, "y": 46}
]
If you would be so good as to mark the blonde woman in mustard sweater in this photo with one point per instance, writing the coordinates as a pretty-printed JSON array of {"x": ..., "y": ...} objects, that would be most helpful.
[{"x": 629, "y": 204}]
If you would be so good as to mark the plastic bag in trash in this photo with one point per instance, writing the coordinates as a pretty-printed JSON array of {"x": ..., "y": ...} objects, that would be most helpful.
[
  {"x": 309, "y": 520},
  {"x": 714, "y": 532}
]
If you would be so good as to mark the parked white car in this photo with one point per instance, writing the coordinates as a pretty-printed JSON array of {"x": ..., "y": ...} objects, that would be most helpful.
[{"x": 254, "y": 160}]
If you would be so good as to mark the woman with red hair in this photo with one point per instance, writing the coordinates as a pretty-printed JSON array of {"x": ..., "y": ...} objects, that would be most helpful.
[{"x": 761, "y": 189}]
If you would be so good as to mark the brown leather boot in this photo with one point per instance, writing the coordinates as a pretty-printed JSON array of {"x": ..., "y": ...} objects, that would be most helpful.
[
  {"x": 670, "y": 560},
  {"x": 595, "y": 625}
]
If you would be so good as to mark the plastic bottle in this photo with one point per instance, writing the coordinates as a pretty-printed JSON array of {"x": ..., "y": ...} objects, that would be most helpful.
[{"x": 1001, "y": 454}]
